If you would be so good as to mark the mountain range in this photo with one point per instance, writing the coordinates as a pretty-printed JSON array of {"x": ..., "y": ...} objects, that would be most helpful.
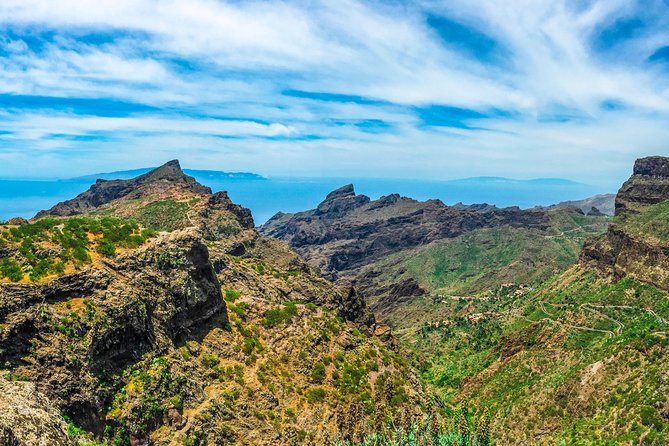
[
  {"x": 152, "y": 311},
  {"x": 554, "y": 319}
]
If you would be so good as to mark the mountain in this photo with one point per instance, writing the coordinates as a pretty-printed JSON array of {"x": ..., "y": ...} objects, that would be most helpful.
[
  {"x": 604, "y": 203},
  {"x": 150, "y": 311},
  {"x": 557, "y": 322},
  {"x": 430, "y": 247},
  {"x": 347, "y": 231}
]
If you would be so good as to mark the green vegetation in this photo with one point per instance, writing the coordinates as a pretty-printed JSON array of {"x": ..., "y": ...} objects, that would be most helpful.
[
  {"x": 484, "y": 259},
  {"x": 232, "y": 295},
  {"x": 166, "y": 215},
  {"x": 651, "y": 222},
  {"x": 48, "y": 246},
  {"x": 534, "y": 348},
  {"x": 278, "y": 316},
  {"x": 11, "y": 269},
  {"x": 464, "y": 428}
]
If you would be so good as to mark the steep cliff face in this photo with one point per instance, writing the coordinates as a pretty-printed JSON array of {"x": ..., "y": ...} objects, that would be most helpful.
[
  {"x": 636, "y": 243},
  {"x": 649, "y": 184},
  {"x": 63, "y": 333},
  {"x": 154, "y": 313}
]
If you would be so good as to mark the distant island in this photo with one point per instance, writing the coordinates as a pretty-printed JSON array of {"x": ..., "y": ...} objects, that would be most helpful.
[{"x": 210, "y": 174}]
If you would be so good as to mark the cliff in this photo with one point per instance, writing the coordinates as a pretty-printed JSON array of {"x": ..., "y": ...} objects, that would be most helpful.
[{"x": 636, "y": 244}]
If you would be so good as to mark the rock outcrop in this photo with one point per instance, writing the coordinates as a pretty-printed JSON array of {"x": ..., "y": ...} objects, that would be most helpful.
[
  {"x": 27, "y": 418},
  {"x": 123, "y": 308},
  {"x": 649, "y": 184},
  {"x": 630, "y": 247}
]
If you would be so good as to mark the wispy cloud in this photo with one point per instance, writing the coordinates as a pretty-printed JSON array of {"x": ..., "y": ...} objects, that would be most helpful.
[{"x": 413, "y": 89}]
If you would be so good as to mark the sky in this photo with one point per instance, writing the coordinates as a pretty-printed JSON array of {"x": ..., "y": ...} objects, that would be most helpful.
[{"x": 388, "y": 89}]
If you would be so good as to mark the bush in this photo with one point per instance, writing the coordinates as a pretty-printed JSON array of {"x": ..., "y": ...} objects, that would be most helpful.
[
  {"x": 318, "y": 373},
  {"x": 232, "y": 295},
  {"x": 11, "y": 269},
  {"x": 209, "y": 360},
  {"x": 315, "y": 395},
  {"x": 278, "y": 316}
]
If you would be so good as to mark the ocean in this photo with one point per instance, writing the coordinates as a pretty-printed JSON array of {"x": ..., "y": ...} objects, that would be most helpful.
[{"x": 266, "y": 197}]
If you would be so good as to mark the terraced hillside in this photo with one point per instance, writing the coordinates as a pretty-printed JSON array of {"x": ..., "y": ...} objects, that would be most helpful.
[{"x": 580, "y": 359}]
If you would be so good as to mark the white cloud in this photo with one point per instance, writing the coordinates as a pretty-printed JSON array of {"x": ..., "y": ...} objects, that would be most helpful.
[{"x": 203, "y": 59}]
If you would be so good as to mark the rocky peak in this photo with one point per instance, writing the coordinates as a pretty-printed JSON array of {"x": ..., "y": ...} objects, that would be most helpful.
[
  {"x": 166, "y": 180},
  {"x": 341, "y": 201},
  {"x": 648, "y": 185},
  {"x": 656, "y": 166},
  {"x": 344, "y": 191}
]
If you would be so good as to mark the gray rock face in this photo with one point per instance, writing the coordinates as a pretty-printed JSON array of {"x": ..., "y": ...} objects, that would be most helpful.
[{"x": 27, "y": 418}]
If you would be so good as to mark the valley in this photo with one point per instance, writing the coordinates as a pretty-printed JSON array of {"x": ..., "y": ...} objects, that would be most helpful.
[
  {"x": 152, "y": 311},
  {"x": 554, "y": 321}
]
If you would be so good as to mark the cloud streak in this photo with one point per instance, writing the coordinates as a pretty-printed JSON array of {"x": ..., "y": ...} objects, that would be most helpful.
[{"x": 407, "y": 89}]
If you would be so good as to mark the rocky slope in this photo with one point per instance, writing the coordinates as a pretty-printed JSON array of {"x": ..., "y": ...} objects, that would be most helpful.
[
  {"x": 150, "y": 311},
  {"x": 395, "y": 248},
  {"x": 636, "y": 244}
]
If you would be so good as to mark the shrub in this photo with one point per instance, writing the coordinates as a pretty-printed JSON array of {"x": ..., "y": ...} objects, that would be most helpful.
[
  {"x": 278, "y": 316},
  {"x": 315, "y": 395},
  {"x": 11, "y": 269},
  {"x": 232, "y": 295},
  {"x": 318, "y": 373},
  {"x": 209, "y": 360}
]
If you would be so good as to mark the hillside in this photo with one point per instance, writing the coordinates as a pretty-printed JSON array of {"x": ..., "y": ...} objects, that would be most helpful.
[
  {"x": 604, "y": 203},
  {"x": 580, "y": 359},
  {"x": 396, "y": 248},
  {"x": 150, "y": 311}
]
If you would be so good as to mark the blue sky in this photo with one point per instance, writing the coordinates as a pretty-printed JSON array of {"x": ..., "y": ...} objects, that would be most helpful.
[{"x": 413, "y": 89}]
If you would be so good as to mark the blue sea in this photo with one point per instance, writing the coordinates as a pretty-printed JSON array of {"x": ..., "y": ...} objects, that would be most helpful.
[{"x": 267, "y": 196}]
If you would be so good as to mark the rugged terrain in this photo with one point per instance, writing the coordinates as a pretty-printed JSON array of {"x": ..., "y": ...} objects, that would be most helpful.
[
  {"x": 395, "y": 249},
  {"x": 563, "y": 344},
  {"x": 579, "y": 359},
  {"x": 150, "y": 311}
]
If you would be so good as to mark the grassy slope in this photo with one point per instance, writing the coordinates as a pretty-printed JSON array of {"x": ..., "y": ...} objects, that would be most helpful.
[
  {"x": 578, "y": 360},
  {"x": 485, "y": 259},
  {"x": 651, "y": 223}
]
